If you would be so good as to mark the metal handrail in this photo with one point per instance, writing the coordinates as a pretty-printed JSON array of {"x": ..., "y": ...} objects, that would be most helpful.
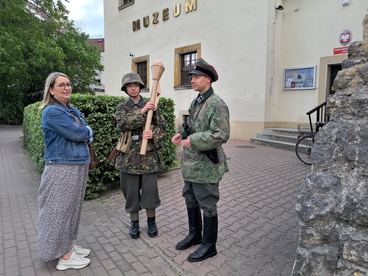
[{"x": 321, "y": 117}]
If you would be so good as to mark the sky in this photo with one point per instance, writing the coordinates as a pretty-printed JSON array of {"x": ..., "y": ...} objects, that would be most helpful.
[{"x": 87, "y": 16}]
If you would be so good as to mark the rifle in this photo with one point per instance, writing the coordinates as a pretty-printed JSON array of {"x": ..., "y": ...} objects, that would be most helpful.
[{"x": 211, "y": 154}]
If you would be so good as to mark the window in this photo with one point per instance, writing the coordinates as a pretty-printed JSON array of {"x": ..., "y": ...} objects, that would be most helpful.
[
  {"x": 187, "y": 64},
  {"x": 140, "y": 65},
  {"x": 142, "y": 71},
  {"x": 185, "y": 58},
  {"x": 125, "y": 3}
]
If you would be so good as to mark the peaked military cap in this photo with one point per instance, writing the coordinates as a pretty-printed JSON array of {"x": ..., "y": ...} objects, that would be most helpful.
[{"x": 202, "y": 68}]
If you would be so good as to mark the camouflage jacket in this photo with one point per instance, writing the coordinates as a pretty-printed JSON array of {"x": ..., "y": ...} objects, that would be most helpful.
[
  {"x": 129, "y": 118},
  {"x": 209, "y": 120}
]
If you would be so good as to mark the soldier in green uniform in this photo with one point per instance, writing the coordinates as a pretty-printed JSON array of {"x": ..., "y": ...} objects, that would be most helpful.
[
  {"x": 138, "y": 173},
  {"x": 203, "y": 161}
]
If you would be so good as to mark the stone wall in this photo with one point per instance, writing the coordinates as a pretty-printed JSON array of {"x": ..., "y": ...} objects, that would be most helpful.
[{"x": 332, "y": 204}]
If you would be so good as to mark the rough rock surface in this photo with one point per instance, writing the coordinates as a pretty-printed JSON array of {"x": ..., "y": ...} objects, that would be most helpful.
[{"x": 332, "y": 204}]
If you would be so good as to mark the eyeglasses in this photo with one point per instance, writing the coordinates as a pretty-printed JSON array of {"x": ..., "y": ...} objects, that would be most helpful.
[{"x": 64, "y": 85}]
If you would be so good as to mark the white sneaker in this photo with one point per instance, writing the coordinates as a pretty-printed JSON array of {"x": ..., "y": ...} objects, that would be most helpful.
[
  {"x": 82, "y": 252},
  {"x": 75, "y": 261}
]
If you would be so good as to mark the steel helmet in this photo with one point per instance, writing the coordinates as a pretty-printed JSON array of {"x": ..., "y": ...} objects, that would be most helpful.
[{"x": 130, "y": 78}]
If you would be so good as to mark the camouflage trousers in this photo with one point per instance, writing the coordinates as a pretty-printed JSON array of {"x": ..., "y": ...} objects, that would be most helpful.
[{"x": 204, "y": 195}]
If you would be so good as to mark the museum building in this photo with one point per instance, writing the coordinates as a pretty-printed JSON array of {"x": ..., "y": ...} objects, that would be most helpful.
[{"x": 276, "y": 59}]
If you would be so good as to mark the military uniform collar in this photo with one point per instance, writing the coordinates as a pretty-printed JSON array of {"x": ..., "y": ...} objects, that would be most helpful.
[
  {"x": 140, "y": 103},
  {"x": 203, "y": 97}
]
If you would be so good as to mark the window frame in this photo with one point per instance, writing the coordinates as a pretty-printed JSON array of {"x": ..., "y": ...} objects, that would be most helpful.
[
  {"x": 121, "y": 4},
  {"x": 178, "y": 53},
  {"x": 183, "y": 69},
  {"x": 141, "y": 59}
]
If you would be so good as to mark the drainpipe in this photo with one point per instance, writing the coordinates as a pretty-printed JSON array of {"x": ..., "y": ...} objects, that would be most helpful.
[{"x": 277, "y": 13}]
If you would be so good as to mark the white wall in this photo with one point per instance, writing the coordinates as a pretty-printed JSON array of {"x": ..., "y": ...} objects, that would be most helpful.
[
  {"x": 309, "y": 30},
  {"x": 248, "y": 42},
  {"x": 233, "y": 37}
]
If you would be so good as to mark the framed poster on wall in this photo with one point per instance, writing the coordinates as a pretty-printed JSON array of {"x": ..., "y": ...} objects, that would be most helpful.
[{"x": 300, "y": 78}]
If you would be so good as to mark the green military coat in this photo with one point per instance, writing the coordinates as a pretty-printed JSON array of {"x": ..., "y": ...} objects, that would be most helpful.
[
  {"x": 129, "y": 118},
  {"x": 210, "y": 122}
]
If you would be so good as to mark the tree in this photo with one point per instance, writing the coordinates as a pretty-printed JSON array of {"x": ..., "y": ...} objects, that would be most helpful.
[{"x": 36, "y": 38}]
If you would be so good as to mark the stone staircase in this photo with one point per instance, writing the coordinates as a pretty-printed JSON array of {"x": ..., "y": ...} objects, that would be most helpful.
[{"x": 284, "y": 138}]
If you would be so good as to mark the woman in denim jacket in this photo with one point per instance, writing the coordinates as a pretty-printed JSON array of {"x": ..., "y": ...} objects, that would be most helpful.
[{"x": 63, "y": 181}]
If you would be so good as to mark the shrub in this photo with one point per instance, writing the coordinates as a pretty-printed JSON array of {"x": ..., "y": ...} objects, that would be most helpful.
[
  {"x": 32, "y": 134},
  {"x": 11, "y": 107},
  {"x": 99, "y": 112}
]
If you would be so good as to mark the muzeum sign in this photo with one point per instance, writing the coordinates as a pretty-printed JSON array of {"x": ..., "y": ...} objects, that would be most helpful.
[{"x": 189, "y": 6}]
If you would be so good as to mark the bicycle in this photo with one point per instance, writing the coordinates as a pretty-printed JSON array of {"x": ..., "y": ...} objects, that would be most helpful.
[{"x": 303, "y": 147}]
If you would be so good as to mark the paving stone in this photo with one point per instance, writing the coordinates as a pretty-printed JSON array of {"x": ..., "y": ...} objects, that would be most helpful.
[
  {"x": 11, "y": 262},
  {"x": 12, "y": 271},
  {"x": 102, "y": 255},
  {"x": 43, "y": 273},
  {"x": 108, "y": 248},
  {"x": 124, "y": 265},
  {"x": 115, "y": 272},
  {"x": 130, "y": 257},
  {"x": 258, "y": 228},
  {"x": 131, "y": 273},
  {"x": 87, "y": 271},
  {"x": 10, "y": 252},
  {"x": 25, "y": 262},
  {"x": 139, "y": 267},
  {"x": 108, "y": 264},
  {"x": 28, "y": 271}
]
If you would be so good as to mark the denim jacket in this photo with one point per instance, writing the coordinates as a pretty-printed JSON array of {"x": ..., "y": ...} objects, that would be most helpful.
[{"x": 66, "y": 135}]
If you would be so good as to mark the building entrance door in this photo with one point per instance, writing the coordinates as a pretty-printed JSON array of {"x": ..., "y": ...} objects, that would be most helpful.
[
  {"x": 328, "y": 68},
  {"x": 333, "y": 69}
]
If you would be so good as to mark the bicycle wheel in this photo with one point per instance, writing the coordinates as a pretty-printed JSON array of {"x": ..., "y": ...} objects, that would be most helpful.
[{"x": 303, "y": 148}]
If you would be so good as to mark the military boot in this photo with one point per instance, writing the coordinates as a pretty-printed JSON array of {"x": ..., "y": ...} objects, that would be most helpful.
[
  {"x": 134, "y": 229},
  {"x": 207, "y": 248},
  {"x": 195, "y": 229},
  {"x": 152, "y": 227}
]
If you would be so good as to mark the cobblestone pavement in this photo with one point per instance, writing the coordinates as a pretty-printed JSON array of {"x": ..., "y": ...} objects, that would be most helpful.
[{"x": 258, "y": 228}]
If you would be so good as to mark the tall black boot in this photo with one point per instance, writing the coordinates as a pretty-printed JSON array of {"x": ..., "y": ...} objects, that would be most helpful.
[
  {"x": 208, "y": 246},
  {"x": 152, "y": 227},
  {"x": 134, "y": 229},
  {"x": 195, "y": 229}
]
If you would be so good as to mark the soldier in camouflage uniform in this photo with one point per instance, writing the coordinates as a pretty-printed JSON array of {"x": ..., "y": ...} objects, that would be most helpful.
[
  {"x": 138, "y": 177},
  {"x": 203, "y": 161}
]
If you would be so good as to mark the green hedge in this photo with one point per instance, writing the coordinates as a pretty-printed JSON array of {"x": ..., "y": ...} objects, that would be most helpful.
[{"x": 99, "y": 112}]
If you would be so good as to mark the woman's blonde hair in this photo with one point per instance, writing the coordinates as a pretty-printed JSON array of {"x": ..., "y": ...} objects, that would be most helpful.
[{"x": 50, "y": 81}]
